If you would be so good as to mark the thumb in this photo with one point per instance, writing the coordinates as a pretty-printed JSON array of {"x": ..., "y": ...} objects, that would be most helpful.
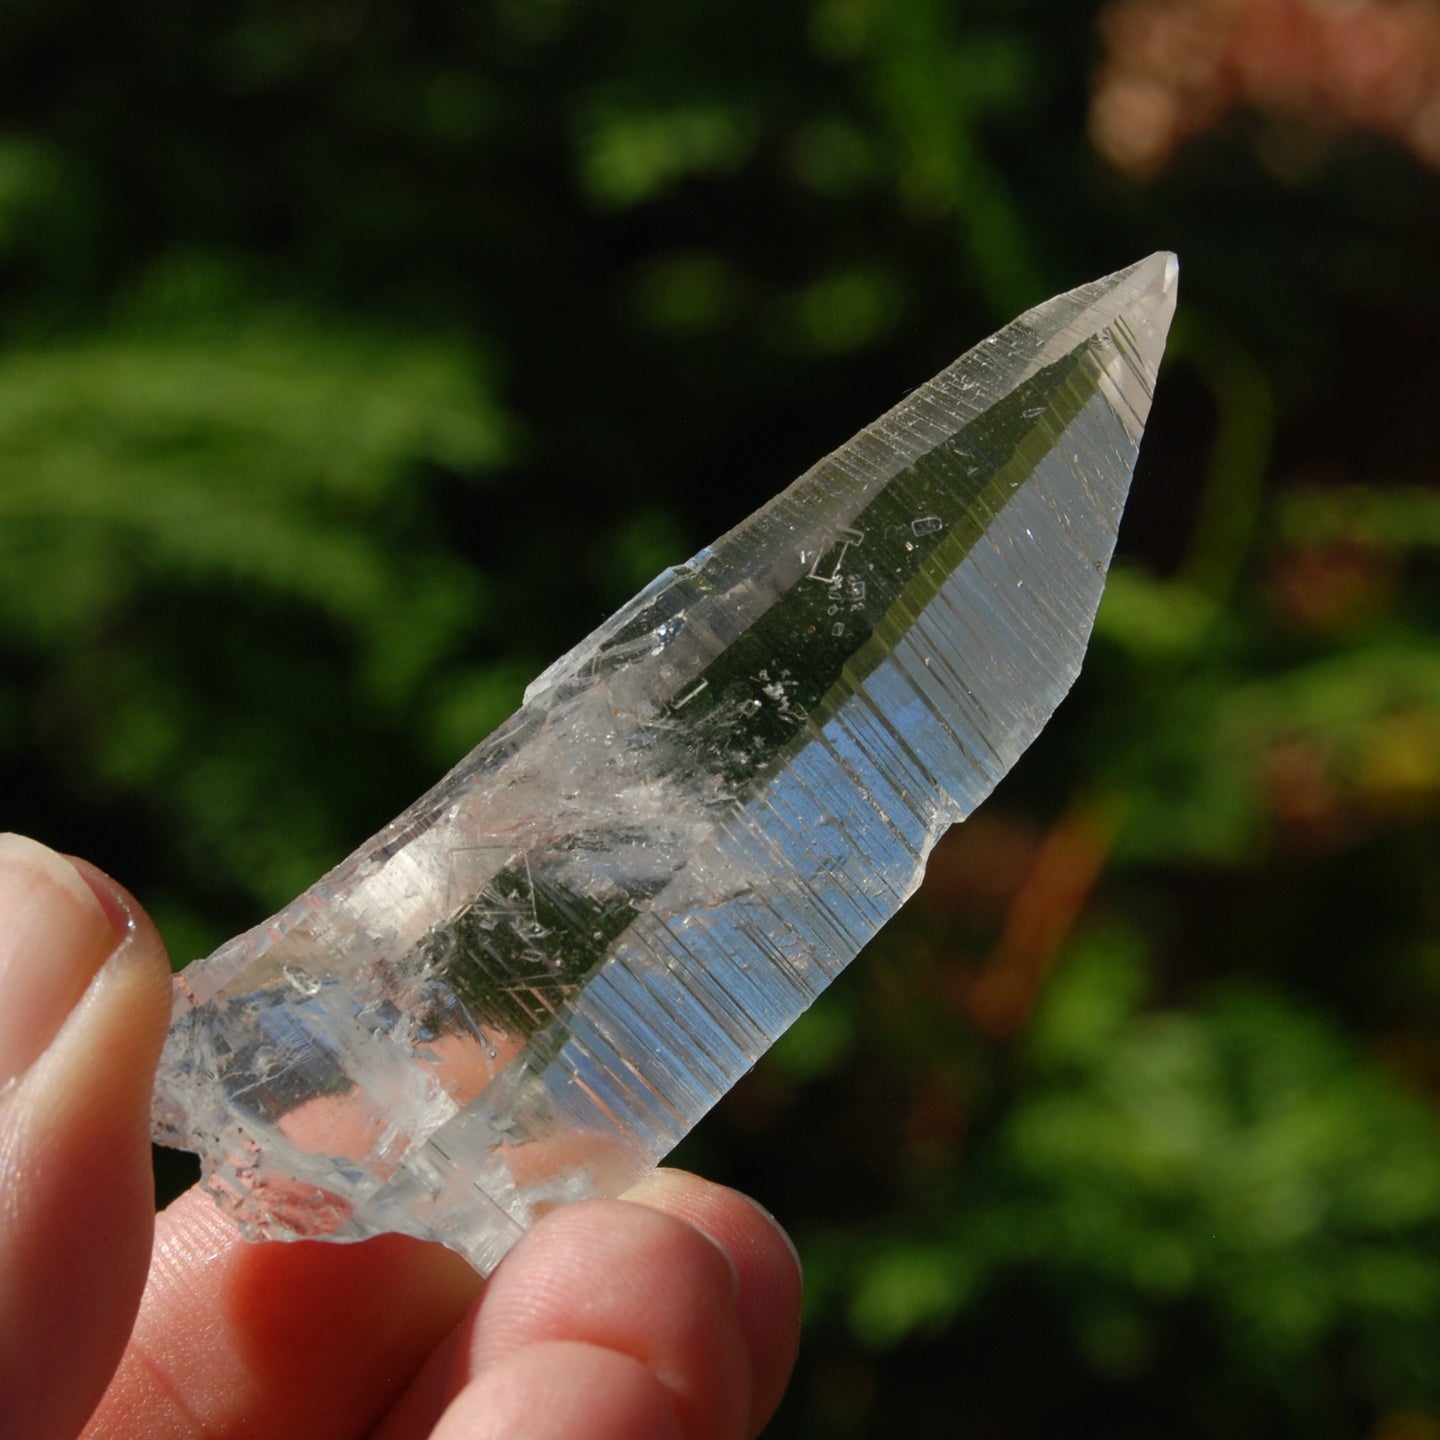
[{"x": 84, "y": 999}]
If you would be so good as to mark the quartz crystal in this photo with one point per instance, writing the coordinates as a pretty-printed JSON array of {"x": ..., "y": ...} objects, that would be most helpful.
[{"x": 527, "y": 988}]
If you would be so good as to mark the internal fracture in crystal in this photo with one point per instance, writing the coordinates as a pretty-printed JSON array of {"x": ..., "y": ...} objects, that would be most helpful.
[{"x": 533, "y": 983}]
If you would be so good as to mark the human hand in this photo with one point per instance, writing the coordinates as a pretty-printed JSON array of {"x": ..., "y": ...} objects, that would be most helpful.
[{"x": 673, "y": 1313}]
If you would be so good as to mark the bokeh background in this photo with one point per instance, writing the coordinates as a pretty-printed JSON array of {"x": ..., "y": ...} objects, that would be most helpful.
[{"x": 356, "y": 357}]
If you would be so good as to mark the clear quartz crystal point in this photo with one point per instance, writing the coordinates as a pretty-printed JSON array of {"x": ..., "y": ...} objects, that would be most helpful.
[{"x": 527, "y": 988}]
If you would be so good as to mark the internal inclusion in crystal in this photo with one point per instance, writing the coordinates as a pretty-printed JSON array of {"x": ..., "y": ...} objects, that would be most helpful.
[{"x": 533, "y": 983}]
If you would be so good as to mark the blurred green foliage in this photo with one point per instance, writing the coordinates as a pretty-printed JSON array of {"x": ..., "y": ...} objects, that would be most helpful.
[{"x": 356, "y": 358}]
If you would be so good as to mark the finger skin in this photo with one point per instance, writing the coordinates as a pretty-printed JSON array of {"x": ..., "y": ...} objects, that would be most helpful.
[
  {"x": 563, "y": 1390},
  {"x": 766, "y": 1264},
  {"x": 634, "y": 1280},
  {"x": 694, "y": 1284},
  {"x": 76, "y": 1194},
  {"x": 309, "y": 1339}
]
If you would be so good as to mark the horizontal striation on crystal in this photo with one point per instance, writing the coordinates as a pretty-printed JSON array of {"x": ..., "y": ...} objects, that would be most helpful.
[{"x": 533, "y": 983}]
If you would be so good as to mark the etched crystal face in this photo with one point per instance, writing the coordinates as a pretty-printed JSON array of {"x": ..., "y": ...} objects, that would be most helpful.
[{"x": 528, "y": 987}]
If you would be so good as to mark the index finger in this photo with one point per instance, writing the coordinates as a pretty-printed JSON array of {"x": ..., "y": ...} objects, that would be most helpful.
[{"x": 276, "y": 1339}]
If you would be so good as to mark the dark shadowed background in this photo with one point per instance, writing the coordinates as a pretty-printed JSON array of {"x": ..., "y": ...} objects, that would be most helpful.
[{"x": 357, "y": 357}]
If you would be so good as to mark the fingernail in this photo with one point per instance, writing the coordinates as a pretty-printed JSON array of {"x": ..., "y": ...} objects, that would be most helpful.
[
  {"x": 54, "y": 935},
  {"x": 660, "y": 1189},
  {"x": 780, "y": 1230}
]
